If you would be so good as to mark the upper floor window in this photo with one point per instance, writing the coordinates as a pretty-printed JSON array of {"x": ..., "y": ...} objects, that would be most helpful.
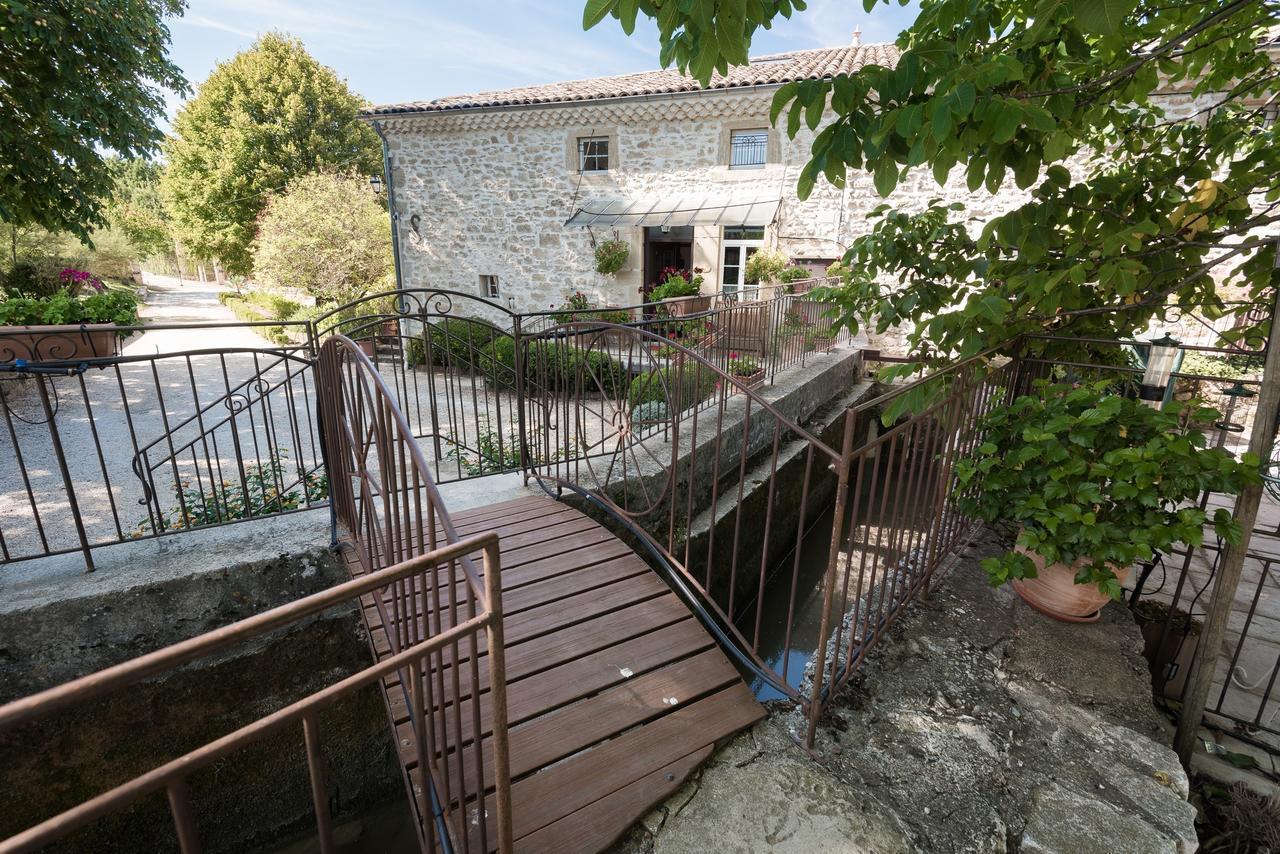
[
  {"x": 747, "y": 148},
  {"x": 489, "y": 286},
  {"x": 593, "y": 154}
]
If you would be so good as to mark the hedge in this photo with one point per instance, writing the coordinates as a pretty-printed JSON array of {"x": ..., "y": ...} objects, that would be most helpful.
[
  {"x": 697, "y": 382},
  {"x": 456, "y": 342},
  {"x": 556, "y": 366}
]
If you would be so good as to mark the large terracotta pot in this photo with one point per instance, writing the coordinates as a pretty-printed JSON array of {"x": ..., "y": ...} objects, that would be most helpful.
[
  {"x": 1054, "y": 591},
  {"x": 58, "y": 343}
]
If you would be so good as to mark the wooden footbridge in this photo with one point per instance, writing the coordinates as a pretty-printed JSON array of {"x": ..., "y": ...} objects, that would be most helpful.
[
  {"x": 599, "y": 696},
  {"x": 615, "y": 692}
]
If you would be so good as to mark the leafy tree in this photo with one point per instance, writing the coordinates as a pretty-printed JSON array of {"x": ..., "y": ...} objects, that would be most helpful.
[
  {"x": 77, "y": 78},
  {"x": 268, "y": 115},
  {"x": 327, "y": 234},
  {"x": 137, "y": 210},
  {"x": 1131, "y": 208}
]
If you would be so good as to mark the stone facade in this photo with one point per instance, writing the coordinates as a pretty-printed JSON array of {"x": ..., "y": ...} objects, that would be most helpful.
[{"x": 488, "y": 191}]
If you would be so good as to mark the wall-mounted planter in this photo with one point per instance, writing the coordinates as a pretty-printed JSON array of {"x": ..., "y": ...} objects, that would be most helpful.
[
  {"x": 58, "y": 343},
  {"x": 682, "y": 306},
  {"x": 749, "y": 380}
]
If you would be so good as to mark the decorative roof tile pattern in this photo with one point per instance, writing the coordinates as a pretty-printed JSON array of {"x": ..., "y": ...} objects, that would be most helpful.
[{"x": 762, "y": 71}]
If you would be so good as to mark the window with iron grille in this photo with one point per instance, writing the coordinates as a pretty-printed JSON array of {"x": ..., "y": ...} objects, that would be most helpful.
[
  {"x": 747, "y": 148},
  {"x": 593, "y": 154},
  {"x": 489, "y": 286}
]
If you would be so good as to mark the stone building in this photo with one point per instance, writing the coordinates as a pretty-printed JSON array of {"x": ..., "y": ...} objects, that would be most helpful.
[{"x": 504, "y": 194}]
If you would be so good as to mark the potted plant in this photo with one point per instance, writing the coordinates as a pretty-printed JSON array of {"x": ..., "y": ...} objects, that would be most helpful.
[
  {"x": 746, "y": 369},
  {"x": 764, "y": 267},
  {"x": 1170, "y": 637},
  {"x": 791, "y": 277},
  {"x": 71, "y": 316},
  {"x": 575, "y": 314},
  {"x": 680, "y": 293},
  {"x": 611, "y": 256},
  {"x": 1092, "y": 482}
]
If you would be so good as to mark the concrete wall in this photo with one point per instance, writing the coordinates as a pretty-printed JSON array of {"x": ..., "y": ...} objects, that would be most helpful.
[{"x": 249, "y": 799}]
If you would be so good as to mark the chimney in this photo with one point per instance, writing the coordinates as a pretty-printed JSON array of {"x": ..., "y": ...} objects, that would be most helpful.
[{"x": 857, "y": 36}]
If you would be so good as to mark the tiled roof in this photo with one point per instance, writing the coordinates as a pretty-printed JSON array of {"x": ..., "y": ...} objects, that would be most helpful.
[{"x": 763, "y": 70}]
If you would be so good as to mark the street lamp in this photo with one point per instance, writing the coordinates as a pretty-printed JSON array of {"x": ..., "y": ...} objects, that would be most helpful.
[
  {"x": 1159, "y": 368},
  {"x": 375, "y": 183}
]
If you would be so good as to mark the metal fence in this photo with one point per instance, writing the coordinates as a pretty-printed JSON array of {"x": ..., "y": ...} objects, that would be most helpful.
[
  {"x": 390, "y": 512},
  {"x": 117, "y": 448},
  {"x": 98, "y": 449},
  {"x": 171, "y": 777},
  {"x": 751, "y": 515}
]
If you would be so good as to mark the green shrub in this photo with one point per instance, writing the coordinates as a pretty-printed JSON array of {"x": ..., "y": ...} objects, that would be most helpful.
[
  {"x": 555, "y": 366},
  {"x": 32, "y": 280},
  {"x": 458, "y": 342},
  {"x": 765, "y": 265},
  {"x": 649, "y": 412},
  {"x": 251, "y": 312},
  {"x": 791, "y": 275},
  {"x": 277, "y": 306},
  {"x": 1217, "y": 365},
  {"x": 690, "y": 383},
  {"x": 114, "y": 305},
  {"x": 676, "y": 284}
]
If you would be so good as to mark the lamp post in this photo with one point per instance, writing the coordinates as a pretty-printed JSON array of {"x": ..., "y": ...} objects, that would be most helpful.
[
  {"x": 375, "y": 184},
  {"x": 1155, "y": 382}
]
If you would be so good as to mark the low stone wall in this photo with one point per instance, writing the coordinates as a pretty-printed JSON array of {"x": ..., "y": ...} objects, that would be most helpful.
[{"x": 252, "y": 798}]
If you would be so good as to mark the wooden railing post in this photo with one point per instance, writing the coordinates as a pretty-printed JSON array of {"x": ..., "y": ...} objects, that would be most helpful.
[{"x": 498, "y": 696}]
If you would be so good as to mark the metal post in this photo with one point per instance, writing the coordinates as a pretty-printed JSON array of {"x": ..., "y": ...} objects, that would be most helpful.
[
  {"x": 61, "y": 456},
  {"x": 1228, "y": 579},
  {"x": 829, "y": 580},
  {"x": 516, "y": 335},
  {"x": 389, "y": 177}
]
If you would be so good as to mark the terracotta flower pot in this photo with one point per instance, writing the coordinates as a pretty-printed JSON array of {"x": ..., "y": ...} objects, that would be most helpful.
[
  {"x": 749, "y": 380},
  {"x": 1054, "y": 591}
]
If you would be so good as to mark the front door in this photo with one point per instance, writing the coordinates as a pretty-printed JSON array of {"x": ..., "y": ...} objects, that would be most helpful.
[{"x": 672, "y": 248}]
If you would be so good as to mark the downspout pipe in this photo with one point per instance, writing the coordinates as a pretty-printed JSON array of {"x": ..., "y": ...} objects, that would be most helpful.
[{"x": 391, "y": 205}]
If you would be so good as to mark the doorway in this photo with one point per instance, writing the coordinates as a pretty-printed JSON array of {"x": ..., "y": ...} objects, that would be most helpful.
[{"x": 662, "y": 249}]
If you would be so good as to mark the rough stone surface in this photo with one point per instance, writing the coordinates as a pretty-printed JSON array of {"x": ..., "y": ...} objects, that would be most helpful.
[
  {"x": 762, "y": 793},
  {"x": 977, "y": 726}
]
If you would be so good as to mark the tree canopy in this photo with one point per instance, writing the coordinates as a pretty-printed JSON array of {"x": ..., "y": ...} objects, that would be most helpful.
[
  {"x": 263, "y": 118},
  {"x": 327, "y": 234},
  {"x": 78, "y": 78},
  {"x": 1132, "y": 207},
  {"x": 136, "y": 208}
]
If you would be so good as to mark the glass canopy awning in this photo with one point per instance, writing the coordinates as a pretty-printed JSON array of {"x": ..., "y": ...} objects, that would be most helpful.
[{"x": 675, "y": 212}]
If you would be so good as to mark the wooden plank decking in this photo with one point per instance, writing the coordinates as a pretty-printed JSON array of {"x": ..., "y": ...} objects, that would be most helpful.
[{"x": 615, "y": 692}]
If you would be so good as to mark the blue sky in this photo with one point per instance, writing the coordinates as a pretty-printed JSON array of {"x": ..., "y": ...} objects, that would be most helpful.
[{"x": 401, "y": 50}]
